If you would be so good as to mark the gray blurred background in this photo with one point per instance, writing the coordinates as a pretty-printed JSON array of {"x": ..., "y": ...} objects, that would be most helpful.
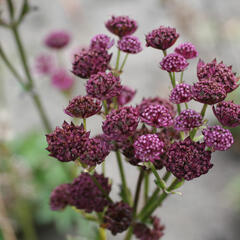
[{"x": 208, "y": 209}]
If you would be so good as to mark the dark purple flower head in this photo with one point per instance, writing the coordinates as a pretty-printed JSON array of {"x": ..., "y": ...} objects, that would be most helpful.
[
  {"x": 162, "y": 38},
  {"x": 121, "y": 123},
  {"x": 218, "y": 138},
  {"x": 187, "y": 50},
  {"x": 57, "y": 40},
  {"x": 101, "y": 42},
  {"x": 143, "y": 232},
  {"x": 85, "y": 195},
  {"x": 146, "y": 102},
  {"x": 121, "y": 26},
  {"x": 174, "y": 62},
  {"x": 227, "y": 113},
  {"x": 62, "y": 80},
  {"x": 188, "y": 159},
  {"x": 67, "y": 143},
  {"x": 126, "y": 95},
  {"x": 44, "y": 64},
  {"x": 83, "y": 107},
  {"x": 208, "y": 92},
  {"x": 157, "y": 116},
  {"x": 130, "y": 44},
  {"x": 103, "y": 86},
  {"x": 118, "y": 217},
  {"x": 187, "y": 120},
  {"x": 90, "y": 61},
  {"x": 217, "y": 72},
  {"x": 95, "y": 152},
  {"x": 181, "y": 93},
  {"x": 60, "y": 197},
  {"x": 148, "y": 148}
]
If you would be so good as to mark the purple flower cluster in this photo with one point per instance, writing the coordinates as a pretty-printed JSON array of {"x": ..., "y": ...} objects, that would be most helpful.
[
  {"x": 83, "y": 107},
  {"x": 130, "y": 44},
  {"x": 181, "y": 93},
  {"x": 188, "y": 159},
  {"x": 121, "y": 26},
  {"x": 174, "y": 62},
  {"x": 187, "y": 120},
  {"x": 62, "y": 80},
  {"x": 218, "y": 138},
  {"x": 162, "y": 38},
  {"x": 121, "y": 123},
  {"x": 103, "y": 86},
  {"x": 57, "y": 39},
  {"x": 187, "y": 50},
  {"x": 101, "y": 42},
  {"x": 156, "y": 116},
  {"x": 148, "y": 148},
  {"x": 118, "y": 217},
  {"x": 227, "y": 113}
]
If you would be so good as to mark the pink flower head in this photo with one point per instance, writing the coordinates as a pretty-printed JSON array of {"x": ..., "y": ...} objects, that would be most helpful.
[
  {"x": 148, "y": 148},
  {"x": 188, "y": 159},
  {"x": 227, "y": 113},
  {"x": 187, "y": 120},
  {"x": 208, "y": 92},
  {"x": 101, "y": 42},
  {"x": 121, "y": 26},
  {"x": 57, "y": 39},
  {"x": 157, "y": 116},
  {"x": 90, "y": 61},
  {"x": 130, "y": 44},
  {"x": 181, "y": 93},
  {"x": 103, "y": 86},
  {"x": 174, "y": 62},
  {"x": 62, "y": 80},
  {"x": 218, "y": 138},
  {"x": 217, "y": 72},
  {"x": 83, "y": 107},
  {"x": 162, "y": 38},
  {"x": 44, "y": 64},
  {"x": 187, "y": 50}
]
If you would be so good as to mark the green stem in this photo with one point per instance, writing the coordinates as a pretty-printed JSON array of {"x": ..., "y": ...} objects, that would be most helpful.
[
  {"x": 122, "y": 175},
  {"x": 123, "y": 63},
  {"x": 146, "y": 186},
  {"x": 203, "y": 112},
  {"x": 85, "y": 124},
  {"x": 164, "y": 53},
  {"x": 103, "y": 168},
  {"x": 186, "y": 105},
  {"x": 137, "y": 193},
  {"x": 160, "y": 183},
  {"x": 118, "y": 60},
  {"x": 166, "y": 176},
  {"x": 129, "y": 233},
  {"x": 181, "y": 77},
  {"x": 105, "y": 106},
  {"x": 102, "y": 233}
]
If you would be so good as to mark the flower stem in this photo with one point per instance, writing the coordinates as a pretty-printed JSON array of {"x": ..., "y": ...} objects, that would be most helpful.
[
  {"x": 203, "y": 112},
  {"x": 123, "y": 63},
  {"x": 146, "y": 186},
  {"x": 105, "y": 106},
  {"x": 122, "y": 175},
  {"x": 118, "y": 60},
  {"x": 181, "y": 77},
  {"x": 166, "y": 176},
  {"x": 102, "y": 233},
  {"x": 160, "y": 183},
  {"x": 85, "y": 124},
  {"x": 129, "y": 233}
]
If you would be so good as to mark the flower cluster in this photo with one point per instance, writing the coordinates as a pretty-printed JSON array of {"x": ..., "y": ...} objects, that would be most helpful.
[{"x": 181, "y": 93}]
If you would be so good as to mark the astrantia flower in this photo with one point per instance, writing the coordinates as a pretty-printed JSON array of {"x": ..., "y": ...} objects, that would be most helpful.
[
  {"x": 90, "y": 61},
  {"x": 187, "y": 50},
  {"x": 83, "y": 107},
  {"x": 218, "y": 138},
  {"x": 157, "y": 116},
  {"x": 101, "y": 42},
  {"x": 60, "y": 197},
  {"x": 188, "y": 159},
  {"x": 187, "y": 120},
  {"x": 181, "y": 93},
  {"x": 121, "y": 26},
  {"x": 227, "y": 113},
  {"x": 95, "y": 152},
  {"x": 208, "y": 92},
  {"x": 174, "y": 62},
  {"x": 103, "y": 86},
  {"x": 67, "y": 143},
  {"x": 118, "y": 217},
  {"x": 121, "y": 123},
  {"x": 146, "y": 102},
  {"x": 62, "y": 80},
  {"x": 57, "y": 40},
  {"x": 143, "y": 232},
  {"x": 217, "y": 72},
  {"x": 126, "y": 95},
  {"x": 44, "y": 64},
  {"x": 148, "y": 147},
  {"x": 85, "y": 195},
  {"x": 130, "y": 44},
  {"x": 162, "y": 38}
]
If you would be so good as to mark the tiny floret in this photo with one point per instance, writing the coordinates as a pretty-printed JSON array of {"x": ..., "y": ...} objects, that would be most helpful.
[
  {"x": 130, "y": 44},
  {"x": 181, "y": 93},
  {"x": 187, "y": 50}
]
